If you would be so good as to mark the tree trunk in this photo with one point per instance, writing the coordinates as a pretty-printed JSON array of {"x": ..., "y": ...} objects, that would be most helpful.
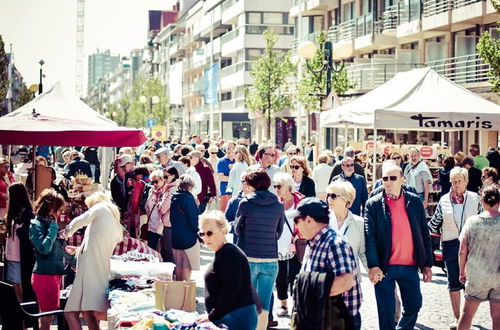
[{"x": 268, "y": 120}]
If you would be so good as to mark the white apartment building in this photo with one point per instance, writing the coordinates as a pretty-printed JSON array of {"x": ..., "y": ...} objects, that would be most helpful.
[
  {"x": 227, "y": 34},
  {"x": 389, "y": 36}
]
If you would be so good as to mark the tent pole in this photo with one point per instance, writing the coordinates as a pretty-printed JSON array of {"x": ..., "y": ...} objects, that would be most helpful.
[
  {"x": 374, "y": 169},
  {"x": 346, "y": 134},
  {"x": 33, "y": 181},
  {"x": 442, "y": 139}
]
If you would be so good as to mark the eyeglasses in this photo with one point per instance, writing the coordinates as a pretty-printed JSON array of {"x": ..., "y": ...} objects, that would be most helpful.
[
  {"x": 348, "y": 165},
  {"x": 396, "y": 158},
  {"x": 292, "y": 153},
  {"x": 392, "y": 178},
  {"x": 269, "y": 154},
  {"x": 295, "y": 167},
  {"x": 207, "y": 233},
  {"x": 277, "y": 186},
  {"x": 332, "y": 196},
  {"x": 8, "y": 166},
  {"x": 297, "y": 219}
]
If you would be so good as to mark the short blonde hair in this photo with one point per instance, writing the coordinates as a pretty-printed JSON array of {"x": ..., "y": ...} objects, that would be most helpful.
[
  {"x": 459, "y": 171},
  {"x": 323, "y": 158},
  {"x": 217, "y": 217},
  {"x": 285, "y": 179},
  {"x": 156, "y": 174},
  {"x": 213, "y": 148},
  {"x": 100, "y": 197},
  {"x": 345, "y": 188}
]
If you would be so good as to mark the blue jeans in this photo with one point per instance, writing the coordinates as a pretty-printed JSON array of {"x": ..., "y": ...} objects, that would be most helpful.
[
  {"x": 244, "y": 318},
  {"x": 263, "y": 275},
  {"x": 409, "y": 287}
]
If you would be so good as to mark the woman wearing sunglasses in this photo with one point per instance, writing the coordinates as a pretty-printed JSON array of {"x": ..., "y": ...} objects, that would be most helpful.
[
  {"x": 452, "y": 212},
  {"x": 184, "y": 218},
  {"x": 489, "y": 177},
  {"x": 158, "y": 210},
  {"x": 340, "y": 196},
  {"x": 228, "y": 288},
  {"x": 300, "y": 173}
]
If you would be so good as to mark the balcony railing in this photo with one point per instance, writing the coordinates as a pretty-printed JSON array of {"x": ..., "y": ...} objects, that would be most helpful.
[
  {"x": 364, "y": 25},
  {"x": 230, "y": 35},
  {"x": 227, "y": 4},
  {"x": 371, "y": 75},
  {"x": 463, "y": 3},
  {"x": 343, "y": 31},
  {"x": 434, "y": 7},
  {"x": 229, "y": 70},
  {"x": 408, "y": 11},
  {"x": 232, "y": 104},
  {"x": 390, "y": 18},
  {"x": 462, "y": 69}
]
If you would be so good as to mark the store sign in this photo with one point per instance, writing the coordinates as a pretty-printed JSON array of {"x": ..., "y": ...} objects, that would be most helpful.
[
  {"x": 427, "y": 152},
  {"x": 159, "y": 132},
  {"x": 437, "y": 122}
]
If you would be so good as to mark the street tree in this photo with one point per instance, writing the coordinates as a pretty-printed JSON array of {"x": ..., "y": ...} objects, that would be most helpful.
[
  {"x": 269, "y": 95},
  {"x": 314, "y": 83},
  {"x": 24, "y": 96},
  {"x": 137, "y": 112},
  {"x": 489, "y": 49},
  {"x": 4, "y": 72}
]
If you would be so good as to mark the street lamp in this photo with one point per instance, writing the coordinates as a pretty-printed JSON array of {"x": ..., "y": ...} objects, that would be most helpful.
[
  {"x": 40, "y": 86},
  {"x": 333, "y": 59},
  {"x": 152, "y": 100}
]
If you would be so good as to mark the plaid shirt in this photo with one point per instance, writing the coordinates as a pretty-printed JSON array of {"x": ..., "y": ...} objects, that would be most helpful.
[{"x": 330, "y": 252}]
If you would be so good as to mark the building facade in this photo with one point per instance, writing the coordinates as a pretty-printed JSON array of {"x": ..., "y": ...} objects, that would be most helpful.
[
  {"x": 100, "y": 64},
  {"x": 387, "y": 37}
]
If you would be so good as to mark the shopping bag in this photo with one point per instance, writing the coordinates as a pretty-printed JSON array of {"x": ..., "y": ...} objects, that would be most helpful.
[{"x": 175, "y": 295}]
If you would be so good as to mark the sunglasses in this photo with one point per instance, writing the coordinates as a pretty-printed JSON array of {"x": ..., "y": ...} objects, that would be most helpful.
[
  {"x": 277, "y": 186},
  {"x": 155, "y": 181},
  {"x": 348, "y": 165},
  {"x": 484, "y": 176},
  {"x": 292, "y": 153},
  {"x": 332, "y": 196},
  {"x": 295, "y": 167},
  {"x": 297, "y": 219},
  {"x": 396, "y": 158},
  {"x": 207, "y": 233},
  {"x": 270, "y": 155},
  {"x": 8, "y": 166},
  {"x": 213, "y": 153},
  {"x": 392, "y": 178}
]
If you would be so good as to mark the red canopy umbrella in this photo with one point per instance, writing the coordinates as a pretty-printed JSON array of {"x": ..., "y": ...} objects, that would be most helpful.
[{"x": 54, "y": 118}]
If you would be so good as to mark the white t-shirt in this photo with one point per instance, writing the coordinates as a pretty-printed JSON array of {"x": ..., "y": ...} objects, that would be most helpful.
[{"x": 285, "y": 239}]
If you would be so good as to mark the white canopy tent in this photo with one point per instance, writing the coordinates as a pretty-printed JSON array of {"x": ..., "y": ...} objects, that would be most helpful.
[{"x": 419, "y": 99}]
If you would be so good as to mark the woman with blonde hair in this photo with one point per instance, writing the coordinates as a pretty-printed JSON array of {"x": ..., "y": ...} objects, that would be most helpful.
[
  {"x": 103, "y": 232},
  {"x": 243, "y": 161},
  {"x": 301, "y": 175},
  {"x": 228, "y": 288}
]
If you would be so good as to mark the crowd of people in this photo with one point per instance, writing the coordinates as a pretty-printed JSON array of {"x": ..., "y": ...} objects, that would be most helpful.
[{"x": 308, "y": 232}]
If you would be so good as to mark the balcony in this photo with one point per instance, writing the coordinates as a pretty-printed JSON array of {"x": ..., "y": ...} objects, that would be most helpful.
[
  {"x": 230, "y": 11},
  {"x": 236, "y": 75},
  {"x": 368, "y": 76},
  {"x": 470, "y": 11},
  {"x": 343, "y": 31},
  {"x": 198, "y": 86},
  {"x": 310, "y": 7},
  {"x": 409, "y": 20},
  {"x": 389, "y": 21},
  {"x": 232, "y": 105},
  {"x": 467, "y": 70},
  {"x": 436, "y": 14}
]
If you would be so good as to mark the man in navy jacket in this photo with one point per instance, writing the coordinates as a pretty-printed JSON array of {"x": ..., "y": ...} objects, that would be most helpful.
[{"x": 397, "y": 246}]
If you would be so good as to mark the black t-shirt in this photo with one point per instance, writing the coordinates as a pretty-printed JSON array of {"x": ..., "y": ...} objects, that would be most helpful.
[{"x": 227, "y": 282}]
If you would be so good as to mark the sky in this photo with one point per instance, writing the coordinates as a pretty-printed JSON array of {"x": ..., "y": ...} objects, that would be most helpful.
[{"x": 46, "y": 29}]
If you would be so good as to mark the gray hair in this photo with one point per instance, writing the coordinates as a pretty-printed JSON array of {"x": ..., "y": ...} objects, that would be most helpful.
[
  {"x": 459, "y": 171},
  {"x": 186, "y": 183},
  {"x": 390, "y": 165},
  {"x": 285, "y": 179},
  {"x": 349, "y": 152},
  {"x": 156, "y": 174}
]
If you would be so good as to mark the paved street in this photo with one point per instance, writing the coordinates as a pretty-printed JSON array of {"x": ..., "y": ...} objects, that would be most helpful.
[{"x": 435, "y": 314}]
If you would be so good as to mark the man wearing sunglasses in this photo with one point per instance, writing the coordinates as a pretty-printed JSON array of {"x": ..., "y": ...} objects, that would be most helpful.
[
  {"x": 267, "y": 160},
  {"x": 358, "y": 182},
  {"x": 397, "y": 246},
  {"x": 328, "y": 252},
  {"x": 337, "y": 167}
]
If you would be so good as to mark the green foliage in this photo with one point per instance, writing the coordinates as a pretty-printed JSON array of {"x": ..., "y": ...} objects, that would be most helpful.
[
  {"x": 24, "y": 97},
  {"x": 4, "y": 75},
  {"x": 489, "y": 49},
  {"x": 269, "y": 94},
  {"x": 134, "y": 113},
  {"x": 315, "y": 82}
]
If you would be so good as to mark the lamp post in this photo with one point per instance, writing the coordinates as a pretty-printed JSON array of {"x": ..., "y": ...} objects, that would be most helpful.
[
  {"x": 40, "y": 86},
  {"x": 152, "y": 100}
]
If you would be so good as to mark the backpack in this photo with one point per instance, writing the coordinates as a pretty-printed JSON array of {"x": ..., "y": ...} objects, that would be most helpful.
[{"x": 144, "y": 196}]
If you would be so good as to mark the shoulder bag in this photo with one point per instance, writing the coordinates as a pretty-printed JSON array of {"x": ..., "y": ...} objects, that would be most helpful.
[{"x": 299, "y": 243}]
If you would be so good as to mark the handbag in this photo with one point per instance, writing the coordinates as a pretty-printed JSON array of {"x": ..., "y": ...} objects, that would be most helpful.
[
  {"x": 450, "y": 249},
  {"x": 175, "y": 295},
  {"x": 300, "y": 244},
  {"x": 143, "y": 233}
]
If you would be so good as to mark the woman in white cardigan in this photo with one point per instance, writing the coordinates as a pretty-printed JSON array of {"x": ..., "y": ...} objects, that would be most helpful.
[
  {"x": 103, "y": 232},
  {"x": 243, "y": 161},
  {"x": 340, "y": 196},
  {"x": 453, "y": 209}
]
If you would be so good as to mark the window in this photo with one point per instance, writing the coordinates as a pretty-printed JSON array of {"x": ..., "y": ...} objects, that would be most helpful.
[
  {"x": 273, "y": 18},
  {"x": 253, "y": 54},
  {"x": 254, "y": 18},
  {"x": 225, "y": 96},
  {"x": 348, "y": 11},
  {"x": 317, "y": 23}
]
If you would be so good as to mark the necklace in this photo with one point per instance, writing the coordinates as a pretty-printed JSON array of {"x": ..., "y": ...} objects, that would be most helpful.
[{"x": 457, "y": 199}]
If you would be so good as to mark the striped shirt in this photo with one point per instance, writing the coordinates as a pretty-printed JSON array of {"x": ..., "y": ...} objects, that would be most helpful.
[{"x": 330, "y": 252}]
